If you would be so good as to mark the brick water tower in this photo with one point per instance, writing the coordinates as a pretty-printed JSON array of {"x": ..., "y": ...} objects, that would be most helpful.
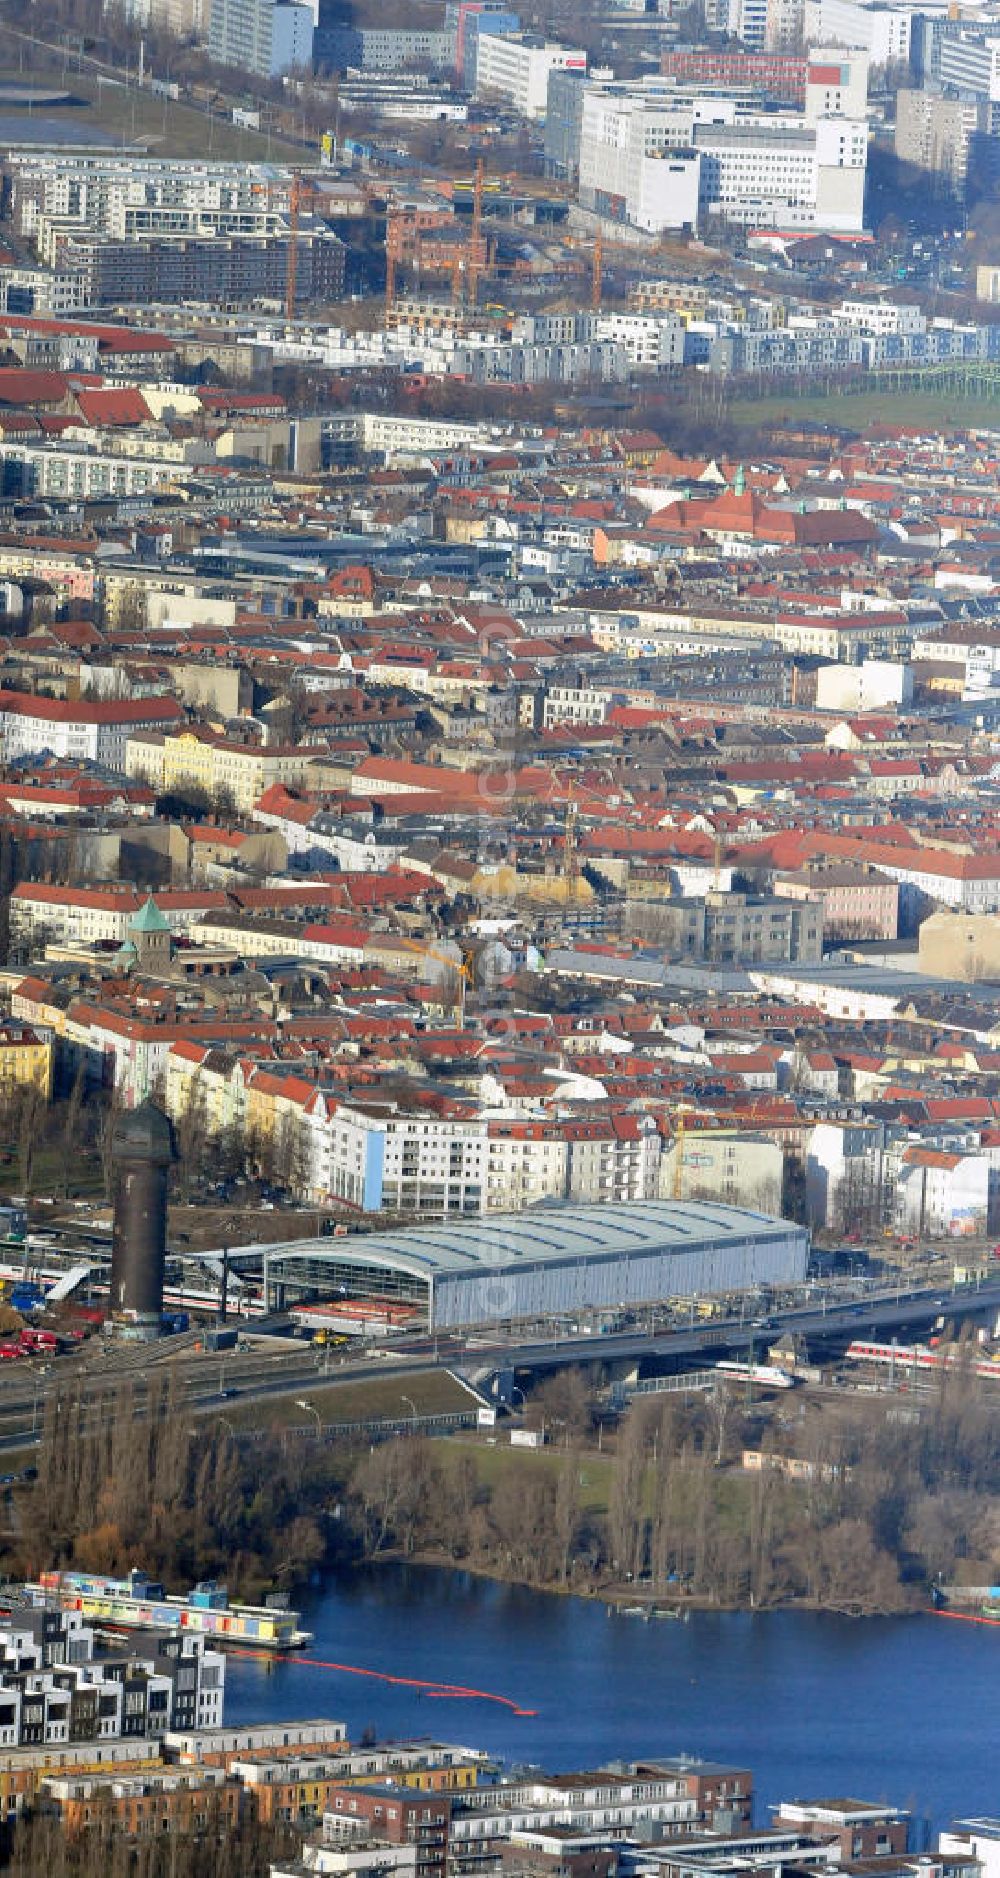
[{"x": 142, "y": 1151}]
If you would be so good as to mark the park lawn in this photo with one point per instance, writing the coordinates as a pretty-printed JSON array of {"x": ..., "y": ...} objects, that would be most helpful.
[
  {"x": 493, "y": 1464},
  {"x": 866, "y": 410}
]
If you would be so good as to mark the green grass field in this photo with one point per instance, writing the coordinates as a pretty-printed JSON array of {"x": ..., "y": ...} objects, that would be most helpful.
[
  {"x": 867, "y": 411},
  {"x": 383, "y": 1398},
  {"x": 494, "y": 1464},
  {"x": 48, "y": 1174}
]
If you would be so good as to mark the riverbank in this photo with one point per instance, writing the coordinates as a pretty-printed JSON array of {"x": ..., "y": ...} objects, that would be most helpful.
[{"x": 641, "y": 1601}]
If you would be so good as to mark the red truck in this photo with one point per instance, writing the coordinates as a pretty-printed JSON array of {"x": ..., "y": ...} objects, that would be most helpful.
[{"x": 39, "y": 1342}]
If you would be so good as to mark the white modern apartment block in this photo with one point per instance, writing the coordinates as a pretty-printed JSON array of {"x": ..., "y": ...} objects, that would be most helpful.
[
  {"x": 132, "y": 198},
  {"x": 517, "y": 68},
  {"x": 661, "y": 157}
]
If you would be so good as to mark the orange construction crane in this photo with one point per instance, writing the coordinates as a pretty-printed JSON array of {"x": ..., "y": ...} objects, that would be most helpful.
[
  {"x": 475, "y": 242},
  {"x": 597, "y": 273},
  {"x": 292, "y": 261}
]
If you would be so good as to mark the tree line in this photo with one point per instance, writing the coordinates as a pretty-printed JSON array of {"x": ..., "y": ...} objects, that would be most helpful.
[
  {"x": 892, "y": 1495},
  {"x": 37, "y": 1843},
  {"x": 127, "y": 1477}
]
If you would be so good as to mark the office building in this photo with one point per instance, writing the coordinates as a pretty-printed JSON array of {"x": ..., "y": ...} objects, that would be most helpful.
[
  {"x": 477, "y": 26},
  {"x": 882, "y": 31},
  {"x": 517, "y": 67},
  {"x": 384, "y": 48},
  {"x": 660, "y": 157}
]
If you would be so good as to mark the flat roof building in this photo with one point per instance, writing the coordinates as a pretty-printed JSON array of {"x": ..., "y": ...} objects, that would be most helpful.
[{"x": 551, "y": 1260}]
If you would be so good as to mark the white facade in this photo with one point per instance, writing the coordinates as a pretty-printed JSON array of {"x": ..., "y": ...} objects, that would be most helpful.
[
  {"x": 882, "y": 31},
  {"x": 836, "y": 82},
  {"x": 88, "y": 733},
  {"x": 970, "y": 62},
  {"x": 668, "y": 191},
  {"x": 517, "y": 68},
  {"x": 943, "y": 1196},
  {"x": 660, "y": 157},
  {"x": 877, "y": 685},
  {"x": 132, "y": 197},
  {"x": 260, "y": 36}
]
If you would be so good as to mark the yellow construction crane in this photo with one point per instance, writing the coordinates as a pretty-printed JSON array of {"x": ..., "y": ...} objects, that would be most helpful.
[
  {"x": 680, "y": 1115},
  {"x": 465, "y": 967}
]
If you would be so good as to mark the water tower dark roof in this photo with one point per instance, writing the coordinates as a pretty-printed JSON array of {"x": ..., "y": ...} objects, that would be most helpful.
[{"x": 143, "y": 1134}]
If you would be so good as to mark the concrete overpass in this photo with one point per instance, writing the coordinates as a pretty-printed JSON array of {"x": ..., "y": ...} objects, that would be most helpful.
[{"x": 902, "y": 1314}]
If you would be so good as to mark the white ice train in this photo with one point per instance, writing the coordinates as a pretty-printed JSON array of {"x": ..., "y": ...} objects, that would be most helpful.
[{"x": 767, "y": 1374}]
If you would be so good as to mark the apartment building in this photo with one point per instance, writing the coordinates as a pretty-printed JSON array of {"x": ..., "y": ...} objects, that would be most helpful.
[
  {"x": 87, "y": 916},
  {"x": 615, "y": 1805},
  {"x": 730, "y": 928},
  {"x": 212, "y": 763},
  {"x": 26, "y": 1060},
  {"x": 67, "y": 568},
  {"x": 145, "y": 1805},
  {"x": 231, "y": 270},
  {"x": 937, "y": 134},
  {"x": 942, "y": 1194},
  {"x": 266, "y": 37},
  {"x": 576, "y": 704},
  {"x": 51, "y": 470},
  {"x": 55, "y": 1689},
  {"x": 858, "y": 903},
  {"x": 883, "y": 31},
  {"x": 969, "y": 62},
  {"x": 134, "y": 198},
  {"x": 380, "y": 1160},
  {"x": 95, "y": 731},
  {"x": 732, "y": 1168},
  {"x": 612, "y": 1159},
  {"x": 397, "y": 1815}
]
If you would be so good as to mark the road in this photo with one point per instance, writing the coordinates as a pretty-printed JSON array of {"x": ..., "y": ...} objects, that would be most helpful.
[{"x": 210, "y": 1382}]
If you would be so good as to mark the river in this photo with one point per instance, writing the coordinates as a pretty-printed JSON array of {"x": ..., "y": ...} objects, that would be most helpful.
[{"x": 899, "y": 1709}]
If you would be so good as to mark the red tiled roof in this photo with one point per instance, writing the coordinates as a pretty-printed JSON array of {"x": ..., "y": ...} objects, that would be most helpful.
[{"x": 112, "y": 405}]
